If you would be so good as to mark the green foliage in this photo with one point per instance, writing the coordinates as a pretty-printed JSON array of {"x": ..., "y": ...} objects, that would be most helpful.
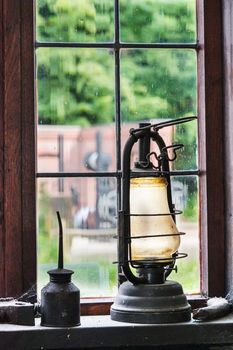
[
  {"x": 188, "y": 275},
  {"x": 47, "y": 243},
  {"x": 47, "y": 249},
  {"x": 162, "y": 83},
  {"x": 69, "y": 20},
  {"x": 158, "y": 21},
  {"x": 191, "y": 209},
  {"x": 76, "y": 86}
]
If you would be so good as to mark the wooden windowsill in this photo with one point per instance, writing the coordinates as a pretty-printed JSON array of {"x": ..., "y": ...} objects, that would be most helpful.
[{"x": 98, "y": 332}]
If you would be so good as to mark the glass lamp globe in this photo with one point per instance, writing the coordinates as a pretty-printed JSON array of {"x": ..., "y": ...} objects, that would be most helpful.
[{"x": 148, "y": 195}]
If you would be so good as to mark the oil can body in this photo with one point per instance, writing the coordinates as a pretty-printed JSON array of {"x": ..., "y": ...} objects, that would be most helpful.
[{"x": 60, "y": 305}]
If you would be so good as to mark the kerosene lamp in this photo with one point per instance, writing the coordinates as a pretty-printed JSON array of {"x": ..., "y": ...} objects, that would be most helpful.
[{"x": 148, "y": 239}]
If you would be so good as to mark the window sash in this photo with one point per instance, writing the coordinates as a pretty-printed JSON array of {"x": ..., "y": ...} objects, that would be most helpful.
[{"x": 116, "y": 46}]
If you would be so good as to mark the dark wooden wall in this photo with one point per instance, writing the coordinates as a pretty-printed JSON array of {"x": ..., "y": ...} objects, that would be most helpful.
[{"x": 17, "y": 148}]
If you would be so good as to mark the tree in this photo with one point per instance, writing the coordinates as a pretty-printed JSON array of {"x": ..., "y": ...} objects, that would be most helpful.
[{"x": 76, "y": 86}]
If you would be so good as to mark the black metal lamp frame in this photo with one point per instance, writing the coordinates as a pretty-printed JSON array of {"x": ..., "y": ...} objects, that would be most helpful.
[
  {"x": 144, "y": 133},
  {"x": 149, "y": 286}
]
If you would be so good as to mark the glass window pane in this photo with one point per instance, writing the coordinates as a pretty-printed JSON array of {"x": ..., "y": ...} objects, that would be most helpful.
[
  {"x": 158, "y": 84},
  {"x": 75, "y": 21},
  {"x": 75, "y": 109},
  {"x": 158, "y": 21},
  {"x": 88, "y": 210},
  {"x": 73, "y": 148},
  {"x": 185, "y": 198}
]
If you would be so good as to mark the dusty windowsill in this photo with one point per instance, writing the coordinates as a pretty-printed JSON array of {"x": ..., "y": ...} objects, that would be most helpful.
[{"x": 100, "y": 331}]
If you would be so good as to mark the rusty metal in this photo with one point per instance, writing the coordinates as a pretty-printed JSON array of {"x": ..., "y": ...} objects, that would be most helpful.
[{"x": 16, "y": 312}]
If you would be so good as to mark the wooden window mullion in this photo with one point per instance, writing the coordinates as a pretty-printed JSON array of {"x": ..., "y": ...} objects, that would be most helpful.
[
  {"x": 28, "y": 121},
  {"x": 210, "y": 105}
]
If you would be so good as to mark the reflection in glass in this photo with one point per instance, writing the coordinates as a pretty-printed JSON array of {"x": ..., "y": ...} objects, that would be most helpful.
[
  {"x": 158, "y": 83},
  {"x": 158, "y": 21},
  {"x": 185, "y": 198},
  {"x": 75, "y": 21},
  {"x": 88, "y": 210}
]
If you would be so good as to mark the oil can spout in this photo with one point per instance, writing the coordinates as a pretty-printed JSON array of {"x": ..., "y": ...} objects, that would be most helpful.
[
  {"x": 60, "y": 246},
  {"x": 60, "y": 275}
]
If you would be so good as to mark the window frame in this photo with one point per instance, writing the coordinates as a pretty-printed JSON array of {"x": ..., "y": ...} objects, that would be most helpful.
[
  {"x": 18, "y": 150},
  {"x": 211, "y": 146},
  {"x": 228, "y": 98}
]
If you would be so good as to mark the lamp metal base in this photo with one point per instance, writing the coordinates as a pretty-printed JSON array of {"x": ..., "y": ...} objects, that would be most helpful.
[{"x": 151, "y": 303}]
